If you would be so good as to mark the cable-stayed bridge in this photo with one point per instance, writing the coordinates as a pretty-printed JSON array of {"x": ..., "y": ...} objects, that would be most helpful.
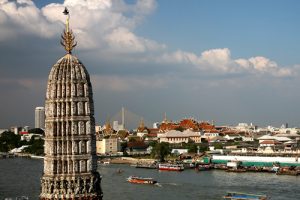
[{"x": 130, "y": 119}]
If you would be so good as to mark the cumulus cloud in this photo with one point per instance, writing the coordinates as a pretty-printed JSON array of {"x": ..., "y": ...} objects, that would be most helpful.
[
  {"x": 108, "y": 26},
  {"x": 122, "y": 40},
  {"x": 22, "y": 16},
  {"x": 219, "y": 61}
]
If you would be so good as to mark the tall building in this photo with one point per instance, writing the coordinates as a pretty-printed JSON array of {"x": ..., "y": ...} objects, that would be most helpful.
[
  {"x": 39, "y": 117},
  {"x": 70, "y": 163}
]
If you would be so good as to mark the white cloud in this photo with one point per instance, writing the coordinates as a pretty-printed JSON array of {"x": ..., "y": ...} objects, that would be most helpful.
[
  {"x": 122, "y": 40},
  {"x": 219, "y": 61},
  {"x": 108, "y": 26},
  {"x": 23, "y": 16}
]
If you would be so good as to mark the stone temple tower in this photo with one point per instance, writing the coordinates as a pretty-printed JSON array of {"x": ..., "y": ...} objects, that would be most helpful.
[{"x": 70, "y": 163}]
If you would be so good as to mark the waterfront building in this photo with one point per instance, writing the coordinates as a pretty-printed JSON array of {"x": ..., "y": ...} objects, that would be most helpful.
[
  {"x": 138, "y": 148},
  {"x": 174, "y": 136},
  {"x": 70, "y": 163},
  {"x": 209, "y": 135},
  {"x": 39, "y": 117},
  {"x": 108, "y": 146}
]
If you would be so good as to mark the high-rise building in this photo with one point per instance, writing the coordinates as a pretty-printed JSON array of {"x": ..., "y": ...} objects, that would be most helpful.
[
  {"x": 39, "y": 117},
  {"x": 70, "y": 163}
]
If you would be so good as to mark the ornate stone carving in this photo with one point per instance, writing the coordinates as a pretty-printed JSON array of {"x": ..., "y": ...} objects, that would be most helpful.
[{"x": 69, "y": 119}]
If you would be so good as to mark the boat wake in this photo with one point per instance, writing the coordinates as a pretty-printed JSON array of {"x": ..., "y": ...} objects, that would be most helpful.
[{"x": 174, "y": 184}]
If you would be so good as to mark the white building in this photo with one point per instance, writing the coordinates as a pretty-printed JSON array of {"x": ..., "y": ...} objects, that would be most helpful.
[
  {"x": 232, "y": 136},
  {"x": 174, "y": 136},
  {"x": 107, "y": 146},
  {"x": 28, "y": 137},
  {"x": 244, "y": 127},
  {"x": 209, "y": 136},
  {"x": 15, "y": 129},
  {"x": 39, "y": 117}
]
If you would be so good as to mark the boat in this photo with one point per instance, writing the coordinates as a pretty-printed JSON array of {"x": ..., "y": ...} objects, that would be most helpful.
[
  {"x": 103, "y": 162},
  {"x": 204, "y": 167},
  {"x": 244, "y": 196},
  {"x": 106, "y": 163},
  {"x": 141, "y": 180},
  {"x": 235, "y": 166},
  {"x": 171, "y": 167},
  {"x": 288, "y": 171},
  {"x": 236, "y": 170},
  {"x": 146, "y": 165}
]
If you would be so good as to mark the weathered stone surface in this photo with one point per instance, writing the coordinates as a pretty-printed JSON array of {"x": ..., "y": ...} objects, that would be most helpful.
[{"x": 70, "y": 165}]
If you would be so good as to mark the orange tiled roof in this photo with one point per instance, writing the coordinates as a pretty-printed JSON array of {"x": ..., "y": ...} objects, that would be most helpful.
[{"x": 189, "y": 124}]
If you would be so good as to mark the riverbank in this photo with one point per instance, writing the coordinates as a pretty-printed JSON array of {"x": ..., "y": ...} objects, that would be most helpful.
[
  {"x": 127, "y": 160},
  {"x": 21, "y": 155}
]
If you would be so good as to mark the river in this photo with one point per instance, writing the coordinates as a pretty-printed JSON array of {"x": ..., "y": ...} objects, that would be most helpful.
[{"x": 21, "y": 176}]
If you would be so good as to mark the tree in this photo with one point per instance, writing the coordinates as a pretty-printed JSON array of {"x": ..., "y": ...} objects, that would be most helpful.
[
  {"x": 36, "y": 131},
  {"x": 161, "y": 150},
  {"x": 203, "y": 147},
  {"x": 37, "y": 147},
  {"x": 123, "y": 146},
  {"x": 9, "y": 141},
  {"x": 192, "y": 148},
  {"x": 218, "y": 145},
  {"x": 152, "y": 143}
]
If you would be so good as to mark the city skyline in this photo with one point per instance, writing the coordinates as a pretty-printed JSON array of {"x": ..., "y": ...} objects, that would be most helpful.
[{"x": 230, "y": 62}]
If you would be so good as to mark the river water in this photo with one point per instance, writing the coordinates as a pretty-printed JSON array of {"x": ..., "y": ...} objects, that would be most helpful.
[{"x": 21, "y": 176}]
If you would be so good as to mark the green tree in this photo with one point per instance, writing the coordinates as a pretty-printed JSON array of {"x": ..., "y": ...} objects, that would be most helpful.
[
  {"x": 192, "y": 148},
  {"x": 36, "y": 147},
  {"x": 152, "y": 143},
  {"x": 218, "y": 145},
  {"x": 161, "y": 150},
  {"x": 36, "y": 131},
  {"x": 123, "y": 146},
  {"x": 203, "y": 147},
  {"x": 9, "y": 141}
]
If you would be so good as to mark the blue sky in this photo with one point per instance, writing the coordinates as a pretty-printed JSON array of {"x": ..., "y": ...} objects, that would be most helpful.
[
  {"x": 248, "y": 28},
  {"x": 228, "y": 61}
]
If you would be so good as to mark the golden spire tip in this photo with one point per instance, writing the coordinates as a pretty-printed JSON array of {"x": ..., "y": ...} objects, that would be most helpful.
[{"x": 67, "y": 38}]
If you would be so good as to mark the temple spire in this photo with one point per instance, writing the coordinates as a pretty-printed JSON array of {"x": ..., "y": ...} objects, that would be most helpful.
[{"x": 67, "y": 38}]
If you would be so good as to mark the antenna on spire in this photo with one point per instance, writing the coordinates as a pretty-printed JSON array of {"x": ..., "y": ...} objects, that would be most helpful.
[
  {"x": 67, "y": 38},
  {"x": 66, "y": 12}
]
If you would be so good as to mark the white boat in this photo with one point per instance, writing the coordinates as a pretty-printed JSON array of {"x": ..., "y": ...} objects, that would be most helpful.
[
  {"x": 141, "y": 180},
  {"x": 171, "y": 167}
]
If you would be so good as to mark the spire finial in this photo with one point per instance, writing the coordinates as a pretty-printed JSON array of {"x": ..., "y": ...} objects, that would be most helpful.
[
  {"x": 142, "y": 124},
  {"x": 67, "y": 38},
  {"x": 165, "y": 118}
]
